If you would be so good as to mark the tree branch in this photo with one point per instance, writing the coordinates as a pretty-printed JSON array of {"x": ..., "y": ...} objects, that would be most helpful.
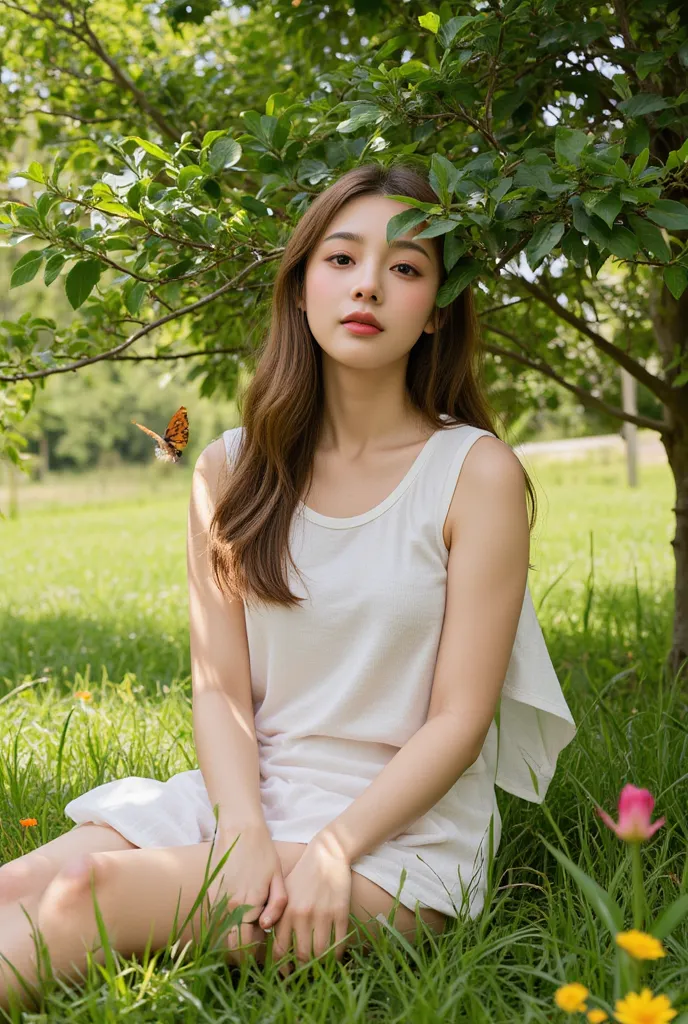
[
  {"x": 658, "y": 388},
  {"x": 183, "y": 355},
  {"x": 585, "y": 397},
  {"x": 74, "y": 117},
  {"x": 120, "y": 77},
  {"x": 123, "y": 79},
  {"x": 175, "y": 315}
]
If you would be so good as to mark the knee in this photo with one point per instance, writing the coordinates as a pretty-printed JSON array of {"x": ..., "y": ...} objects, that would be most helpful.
[
  {"x": 69, "y": 896},
  {"x": 17, "y": 878}
]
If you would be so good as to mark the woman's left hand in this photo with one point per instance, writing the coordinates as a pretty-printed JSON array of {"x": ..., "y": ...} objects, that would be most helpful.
[{"x": 318, "y": 897}]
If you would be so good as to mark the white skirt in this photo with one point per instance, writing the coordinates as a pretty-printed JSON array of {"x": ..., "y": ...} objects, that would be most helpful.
[{"x": 439, "y": 868}]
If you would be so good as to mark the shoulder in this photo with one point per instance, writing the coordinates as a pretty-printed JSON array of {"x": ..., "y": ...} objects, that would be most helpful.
[
  {"x": 491, "y": 479},
  {"x": 490, "y": 463},
  {"x": 209, "y": 467},
  {"x": 212, "y": 457}
]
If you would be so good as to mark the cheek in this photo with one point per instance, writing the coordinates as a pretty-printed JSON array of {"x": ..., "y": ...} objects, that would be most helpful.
[
  {"x": 321, "y": 282},
  {"x": 414, "y": 302}
]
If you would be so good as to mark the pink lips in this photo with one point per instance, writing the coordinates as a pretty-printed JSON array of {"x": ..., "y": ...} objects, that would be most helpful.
[{"x": 358, "y": 328}]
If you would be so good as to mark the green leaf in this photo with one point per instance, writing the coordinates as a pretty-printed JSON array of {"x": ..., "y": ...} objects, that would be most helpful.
[
  {"x": 362, "y": 114},
  {"x": 119, "y": 209},
  {"x": 460, "y": 277},
  {"x": 450, "y": 29},
  {"x": 671, "y": 916},
  {"x": 27, "y": 217},
  {"x": 151, "y": 148},
  {"x": 37, "y": 171},
  {"x": 224, "y": 153},
  {"x": 45, "y": 203},
  {"x": 545, "y": 237},
  {"x": 454, "y": 248},
  {"x": 443, "y": 176},
  {"x": 187, "y": 175},
  {"x": 649, "y": 62},
  {"x": 650, "y": 237},
  {"x": 254, "y": 205},
  {"x": 608, "y": 911},
  {"x": 606, "y": 206},
  {"x": 573, "y": 248},
  {"x": 26, "y": 268},
  {"x": 81, "y": 280},
  {"x": 642, "y": 103},
  {"x": 177, "y": 269},
  {"x": 676, "y": 279},
  {"x": 210, "y": 137},
  {"x": 622, "y": 243},
  {"x": 568, "y": 145},
  {"x": 596, "y": 259},
  {"x": 669, "y": 214},
  {"x": 118, "y": 243},
  {"x": 34, "y": 173},
  {"x": 53, "y": 267},
  {"x": 640, "y": 162},
  {"x": 438, "y": 227},
  {"x": 429, "y": 21},
  {"x": 134, "y": 292},
  {"x": 404, "y": 221},
  {"x": 428, "y": 207}
]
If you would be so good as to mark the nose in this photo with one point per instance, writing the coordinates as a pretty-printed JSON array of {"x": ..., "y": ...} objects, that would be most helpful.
[{"x": 367, "y": 286}]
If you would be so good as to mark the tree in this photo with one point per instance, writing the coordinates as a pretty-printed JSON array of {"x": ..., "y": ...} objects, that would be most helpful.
[{"x": 555, "y": 135}]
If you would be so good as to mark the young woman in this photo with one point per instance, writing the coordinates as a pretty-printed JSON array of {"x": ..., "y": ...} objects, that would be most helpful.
[{"x": 362, "y": 633}]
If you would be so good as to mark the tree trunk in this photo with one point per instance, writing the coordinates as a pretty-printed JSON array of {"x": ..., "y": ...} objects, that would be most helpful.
[
  {"x": 678, "y": 460},
  {"x": 670, "y": 320}
]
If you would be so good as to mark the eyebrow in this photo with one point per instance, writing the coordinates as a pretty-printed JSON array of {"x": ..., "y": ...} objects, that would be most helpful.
[{"x": 397, "y": 243}]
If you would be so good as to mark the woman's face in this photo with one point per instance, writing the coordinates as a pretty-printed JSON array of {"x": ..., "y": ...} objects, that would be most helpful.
[{"x": 395, "y": 282}]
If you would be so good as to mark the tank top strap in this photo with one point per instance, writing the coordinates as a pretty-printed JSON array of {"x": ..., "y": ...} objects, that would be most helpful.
[{"x": 232, "y": 439}]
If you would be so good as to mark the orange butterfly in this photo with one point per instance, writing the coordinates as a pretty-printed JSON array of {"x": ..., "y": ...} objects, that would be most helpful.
[{"x": 169, "y": 448}]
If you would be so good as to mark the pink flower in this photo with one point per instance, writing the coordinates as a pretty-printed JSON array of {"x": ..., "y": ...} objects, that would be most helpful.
[{"x": 635, "y": 810}]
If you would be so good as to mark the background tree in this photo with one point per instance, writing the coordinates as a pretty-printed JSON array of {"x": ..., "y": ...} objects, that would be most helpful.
[{"x": 186, "y": 139}]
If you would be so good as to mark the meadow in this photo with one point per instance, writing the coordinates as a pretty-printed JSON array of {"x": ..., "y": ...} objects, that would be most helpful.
[{"x": 93, "y": 598}]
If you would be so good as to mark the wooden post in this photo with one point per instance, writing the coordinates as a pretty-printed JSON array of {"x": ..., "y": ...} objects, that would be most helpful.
[
  {"x": 629, "y": 430},
  {"x": 43, "y": 458},
  {"x": 12, "y": 475}
]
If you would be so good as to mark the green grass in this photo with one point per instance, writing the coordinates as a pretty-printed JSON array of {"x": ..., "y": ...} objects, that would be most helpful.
[{"x": 93, "y": 595}]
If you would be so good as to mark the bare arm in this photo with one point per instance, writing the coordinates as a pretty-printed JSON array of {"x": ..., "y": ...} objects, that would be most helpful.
[{"x": 223, "y": 723}]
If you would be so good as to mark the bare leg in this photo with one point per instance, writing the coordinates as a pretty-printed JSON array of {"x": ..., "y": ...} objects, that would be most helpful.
[
  {"x": 139, "y": 894},
  {"x": 22, "y": 883},
  {"x": 30, "y": 874}
]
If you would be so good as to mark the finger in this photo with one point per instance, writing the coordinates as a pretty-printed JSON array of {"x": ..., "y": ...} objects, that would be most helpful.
[
  {"x": 243, "y": 932},
  {"x": 253, "y": 946},
  {"x": 277, "y": 902},
  {"x": 342, "y": 934},
  {"x": 303, "y": 940},
  {"x": 281, "y": 942},
  {"x": 321, "y": 938}
]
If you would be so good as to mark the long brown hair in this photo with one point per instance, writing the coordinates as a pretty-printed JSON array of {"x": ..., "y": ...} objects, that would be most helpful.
[{"x": 282, "y": 407}]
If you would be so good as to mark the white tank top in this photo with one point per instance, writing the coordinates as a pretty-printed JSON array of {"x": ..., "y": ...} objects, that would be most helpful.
[{"x": 342, "y": 681}]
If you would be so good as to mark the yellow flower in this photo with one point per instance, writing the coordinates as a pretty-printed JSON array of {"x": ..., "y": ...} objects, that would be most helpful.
[
  {"x": 640, "y": 945},
  {"x": 571, "y": 998},
  {"x": 643, "y": 1009},
  {"x": 596, "y": 1016},
  {"x": 28, "y": 822},
  {"x": 83, "y": 695}
]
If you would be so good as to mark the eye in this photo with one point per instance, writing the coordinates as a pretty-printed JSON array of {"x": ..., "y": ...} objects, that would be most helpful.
[{"x": 343, "y": 256}]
